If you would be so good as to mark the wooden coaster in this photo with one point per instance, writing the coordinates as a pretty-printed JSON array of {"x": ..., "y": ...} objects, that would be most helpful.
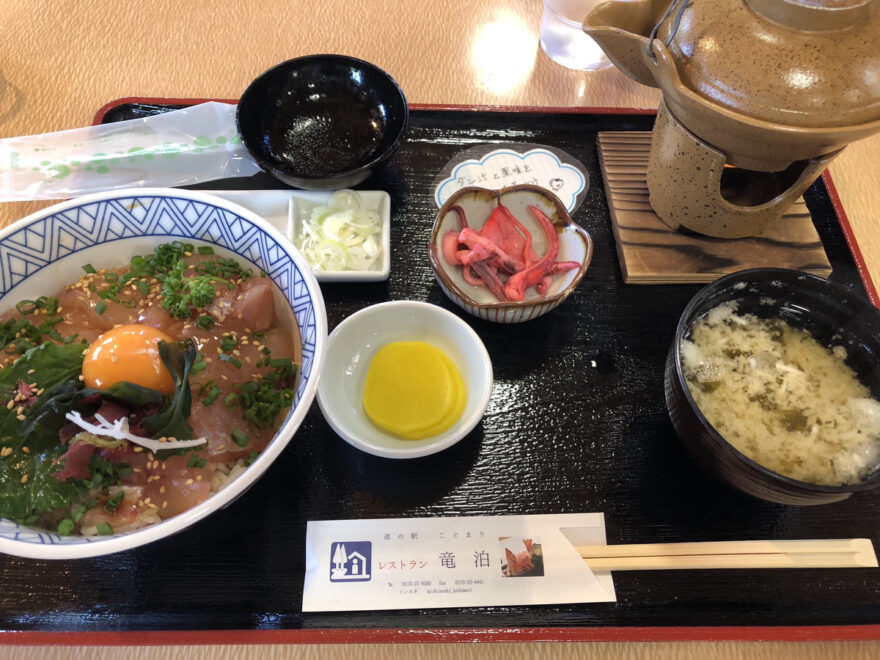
[{"x": 652, "y": 253}]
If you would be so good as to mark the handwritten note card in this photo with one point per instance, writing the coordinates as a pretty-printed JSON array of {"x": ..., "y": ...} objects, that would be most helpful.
[
  {"x": 501, "y": 166},
  {"x": 404, "y": 563}
]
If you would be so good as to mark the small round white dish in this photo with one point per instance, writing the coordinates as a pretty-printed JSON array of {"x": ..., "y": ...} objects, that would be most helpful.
[{"x": 350, "y": 349}]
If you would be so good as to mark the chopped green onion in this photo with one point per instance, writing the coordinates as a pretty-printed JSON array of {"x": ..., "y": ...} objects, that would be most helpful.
[
  {"x": 143, "y": 287},
  {"x": 205, "y": 322},
  {"x": 113, "y": 503},
  {"x": 231, "y": 400},
  {"x": 65, "y": 526},
  {"x": 250, "y": 458},
  {"x": 196, "y": 461},
  {"x": 89, "y": 269},
  {"x": 100, "y": 307},
  {"x": 26, "y": 307},
  {"x": 235, "y": 362},
  {"x": 213, "y": 393},
  {"x": 206, "y": 249},
  {"x": 240, "y": 438},
  {"x": 228, "y": 343},
  {"x": 77, "y": 511},
  {"x": 104, "y": 529}
]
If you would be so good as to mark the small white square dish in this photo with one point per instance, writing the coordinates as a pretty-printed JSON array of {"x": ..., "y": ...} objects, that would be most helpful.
[{"x": 289, "y": 210}]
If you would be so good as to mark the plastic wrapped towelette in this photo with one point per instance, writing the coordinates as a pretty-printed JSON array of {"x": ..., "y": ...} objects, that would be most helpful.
[{"x": 175, "y": 148}]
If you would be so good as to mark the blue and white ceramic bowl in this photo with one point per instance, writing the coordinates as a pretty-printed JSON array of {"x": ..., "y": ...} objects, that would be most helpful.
[{"x": 40, "y": 252}]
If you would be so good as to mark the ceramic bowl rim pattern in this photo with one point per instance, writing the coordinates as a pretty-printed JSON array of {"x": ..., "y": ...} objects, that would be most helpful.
[
  {"x": 169, "y": 214},
  {"x": 743, "y": 472},
  {"x": 507, "y": 311},
  {"x": 333, "y": 180},
  {"x": 472, "y": 414}
]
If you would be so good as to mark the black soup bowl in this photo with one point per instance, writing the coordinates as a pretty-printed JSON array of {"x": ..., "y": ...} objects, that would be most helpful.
[
  {"x": 322, "y": 122},
  {"x": 834, "y": 315}
]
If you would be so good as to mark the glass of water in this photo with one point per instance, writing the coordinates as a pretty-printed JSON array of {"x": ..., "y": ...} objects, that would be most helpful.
[{"x": 563, "y": 38}]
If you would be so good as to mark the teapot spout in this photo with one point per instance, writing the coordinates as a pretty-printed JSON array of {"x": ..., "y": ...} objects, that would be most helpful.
[{"x": 622, "y": 29}]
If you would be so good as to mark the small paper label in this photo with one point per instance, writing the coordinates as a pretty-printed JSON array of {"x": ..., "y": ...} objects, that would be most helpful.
[
  {"x": 404, "y": 563},
  {"x": 501, "y": 166}
]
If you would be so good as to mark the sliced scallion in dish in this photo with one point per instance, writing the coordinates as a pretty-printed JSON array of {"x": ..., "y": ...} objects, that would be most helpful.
[{"x": 341, "y": 235}]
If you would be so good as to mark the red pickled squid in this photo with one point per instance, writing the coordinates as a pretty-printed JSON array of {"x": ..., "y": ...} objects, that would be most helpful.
[{"x": 503, "y": 247}]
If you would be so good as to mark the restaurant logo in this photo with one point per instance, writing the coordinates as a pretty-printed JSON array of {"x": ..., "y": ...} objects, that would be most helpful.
[{"x": 350, "y": 561}]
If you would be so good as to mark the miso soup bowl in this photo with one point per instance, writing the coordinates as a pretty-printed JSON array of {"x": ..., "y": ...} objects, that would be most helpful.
[
  {"x": 47, "y": 249},
  {"x": 833, "y": 314}
]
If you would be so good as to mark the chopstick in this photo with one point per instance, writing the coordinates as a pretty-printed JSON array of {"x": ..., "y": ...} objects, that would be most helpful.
[{"x": 822, "y": 553}]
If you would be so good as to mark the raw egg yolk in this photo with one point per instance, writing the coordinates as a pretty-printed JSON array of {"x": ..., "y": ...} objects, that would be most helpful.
[
  {"x": 413, "y": 390},
  {"x": 128, "y": 353}
]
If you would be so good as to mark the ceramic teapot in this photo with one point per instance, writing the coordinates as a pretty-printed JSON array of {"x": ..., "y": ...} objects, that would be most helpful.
[{"x": 774, "y": 88}]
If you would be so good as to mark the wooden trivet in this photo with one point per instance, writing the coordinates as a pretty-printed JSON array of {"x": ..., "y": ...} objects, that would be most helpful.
[{"x": 652, "y": 253}]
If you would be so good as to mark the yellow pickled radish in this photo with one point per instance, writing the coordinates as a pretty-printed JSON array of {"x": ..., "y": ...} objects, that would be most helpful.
[{"x": 413, "y": 390}]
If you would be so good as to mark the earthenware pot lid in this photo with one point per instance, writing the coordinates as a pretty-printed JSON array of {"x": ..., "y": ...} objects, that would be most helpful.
[{"x": 806, "y": 63}]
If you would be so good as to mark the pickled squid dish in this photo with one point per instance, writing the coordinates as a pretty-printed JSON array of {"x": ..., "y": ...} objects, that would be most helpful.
[
  {"x": 133, "y": 394},
  {"x": 500, "y": 255},
  {"x": 782, "y": 398}
]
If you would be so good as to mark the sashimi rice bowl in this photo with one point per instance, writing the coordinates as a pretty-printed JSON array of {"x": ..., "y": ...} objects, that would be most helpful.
[{"x": 158, "y": 350}]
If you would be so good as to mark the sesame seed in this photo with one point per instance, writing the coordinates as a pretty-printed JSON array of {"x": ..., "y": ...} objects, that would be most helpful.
[
  {"x": 24, "y": 479},
  {"x": 164, "y": 504},
  {"x": 138, "y": 450},
  {"x": 161, "y": 490},
  {"x": 26, "y": 449},
  {"x": 30, "y": 371},
  {"x": 20, "y": 418},
  {"x": 11, "y": 404},
  {"x": 5, "y": 451},
  {"x": 189, "y": 482}
]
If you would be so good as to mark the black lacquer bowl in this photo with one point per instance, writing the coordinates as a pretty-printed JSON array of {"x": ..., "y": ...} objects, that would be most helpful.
[
  {"x": 322, "y": 121},
  {"x": 832, "y": 314}
]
